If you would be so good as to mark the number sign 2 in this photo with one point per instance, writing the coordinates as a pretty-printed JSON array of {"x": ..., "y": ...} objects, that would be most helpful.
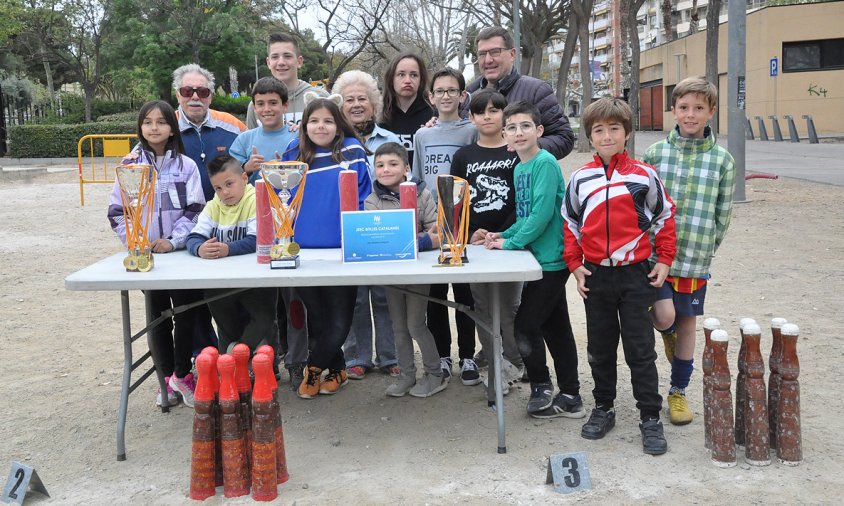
[
  {"x": 21, "y": 479},
  {"x": 569, "y": 472}
]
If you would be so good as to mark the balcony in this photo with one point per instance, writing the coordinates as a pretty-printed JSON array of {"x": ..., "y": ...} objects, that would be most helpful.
[{"x": 599, "y": 24}]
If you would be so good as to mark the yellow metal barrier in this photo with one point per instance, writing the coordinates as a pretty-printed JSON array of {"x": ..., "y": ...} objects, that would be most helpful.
[{"x": 114, "y": 146}]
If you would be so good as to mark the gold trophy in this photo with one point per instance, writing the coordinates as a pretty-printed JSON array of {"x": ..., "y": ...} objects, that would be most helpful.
[
  {"x": 280, "y": 178},
  {"x": 452, "y": 219},
  {"x": 137, "y": 194}
]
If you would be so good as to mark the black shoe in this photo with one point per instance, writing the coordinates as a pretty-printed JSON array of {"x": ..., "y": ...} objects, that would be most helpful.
[
  {"x": 297, "y": 375},
  {"x": 600, "y": 422},
  {"x": 469, "y": 374},
  {"x": 541, "y": 397},
  {"x": 562, "y": 405},
  {"x": 653, "y": 438}
]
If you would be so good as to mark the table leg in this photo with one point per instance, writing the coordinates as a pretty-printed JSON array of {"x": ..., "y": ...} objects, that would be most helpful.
[
  {"x": 496, "y": 352},
  {"x": 155, "y": 352},
  {"x": 127, "y": 377}
]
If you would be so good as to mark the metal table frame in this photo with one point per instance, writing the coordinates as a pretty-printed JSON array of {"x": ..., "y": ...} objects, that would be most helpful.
[{"x": 318, "y": 268}]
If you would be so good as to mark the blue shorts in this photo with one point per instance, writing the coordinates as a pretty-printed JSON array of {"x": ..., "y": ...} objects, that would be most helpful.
[{"x": 685, "y": 304}]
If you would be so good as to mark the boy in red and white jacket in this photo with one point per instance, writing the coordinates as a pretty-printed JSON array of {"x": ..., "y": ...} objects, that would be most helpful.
[{"x": 611, "y": 207}]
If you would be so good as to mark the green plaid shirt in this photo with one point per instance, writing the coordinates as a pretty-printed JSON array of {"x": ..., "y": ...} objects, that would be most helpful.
[{"x": 698, "y": 175}]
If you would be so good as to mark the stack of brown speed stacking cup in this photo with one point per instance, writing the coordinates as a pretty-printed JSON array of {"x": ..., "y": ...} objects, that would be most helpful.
[
  {"x": 237, "y": 429},
  {"x": 281, "y": 458},
  {"x": 235, "y": 477},
  {"x": 766, "y": 420}
]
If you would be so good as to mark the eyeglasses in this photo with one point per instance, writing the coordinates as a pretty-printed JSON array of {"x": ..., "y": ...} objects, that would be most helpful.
[
  {"x": 451, "y": 92},
  {"x": 188, "y": 91},
  {"x": 492, "y": 53},
  {"x": 524, "y": 127}
]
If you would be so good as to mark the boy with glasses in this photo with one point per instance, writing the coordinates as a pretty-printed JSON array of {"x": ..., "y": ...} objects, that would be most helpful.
[
  {"x": 543, "y": 317},
  {"x": 433, "y": 150},
  {"x": 496, "y": 59}
]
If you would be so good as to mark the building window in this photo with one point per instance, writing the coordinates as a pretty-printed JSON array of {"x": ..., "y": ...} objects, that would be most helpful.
[{"x": 804, "y": 56}]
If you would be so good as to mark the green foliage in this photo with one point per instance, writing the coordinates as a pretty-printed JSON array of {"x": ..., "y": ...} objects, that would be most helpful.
[
  {"x": 231, "y": 105},
  {"x": 73, "y": 106},
  {"x": 10, "y": 21},
  {"x": 119, "y": 117},
  {"x": 58, "y": 141}
]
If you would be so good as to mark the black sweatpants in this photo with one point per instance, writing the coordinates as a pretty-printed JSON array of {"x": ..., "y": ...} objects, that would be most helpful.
[
  {"x": 543, "y": 320},
  {"x": 248, "y": 317},
  {"x": 438, "y": 321},
  {"x": 330, "y": 312},
  {"x": 617, "y": 304},
  {"x": 175, "y": 342}
]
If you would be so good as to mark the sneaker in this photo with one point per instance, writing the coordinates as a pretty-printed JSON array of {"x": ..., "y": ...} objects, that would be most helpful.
[
  {"x": 510, "y": 374},
  {"x": 356, "y": 372},
  {"x": 297, "y": 374},
  {"x": 600, "y": 422},
  {"x": 429, "y": 385},
  {"x": 332, "y": 382},
  {"x": 310, "y": 385},
  {"x": 505, "y": 388},
  {"x": 653, "y": 437},
  {"x": 678, "y": 409},
  {"x": 563, "y": 405},
  {"x": 392, "y": 370},
  {"x": 469, "y": 374},
  {"x": 670, "y": 341},
  {"x": 401, "y": 386},
  {"x": 185, "y": 386},
  {"x": 541, "y": 397},
  {"x": 172, "y": 396},
  {"x": 480, "y": 359},
  {"x": 446, "y": 363}
]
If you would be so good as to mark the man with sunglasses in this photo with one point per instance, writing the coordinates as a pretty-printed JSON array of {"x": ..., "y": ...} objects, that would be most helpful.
[
  {"x": 496, "y": 59},
  {"x": 206, "y": 133}
]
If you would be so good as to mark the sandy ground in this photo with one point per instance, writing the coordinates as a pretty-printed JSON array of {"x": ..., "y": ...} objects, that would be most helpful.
[{"x": 62, "y": 363}]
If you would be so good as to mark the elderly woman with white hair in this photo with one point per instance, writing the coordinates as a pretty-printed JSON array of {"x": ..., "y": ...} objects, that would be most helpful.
[{"x": 362, "y": 107}]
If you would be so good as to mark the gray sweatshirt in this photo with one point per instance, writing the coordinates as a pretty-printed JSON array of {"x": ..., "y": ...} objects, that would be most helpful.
[{"x": 434, "y": 148}]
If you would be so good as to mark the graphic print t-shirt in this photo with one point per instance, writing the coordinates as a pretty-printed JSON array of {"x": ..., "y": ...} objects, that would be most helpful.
[{"x": 489, "y": 172}]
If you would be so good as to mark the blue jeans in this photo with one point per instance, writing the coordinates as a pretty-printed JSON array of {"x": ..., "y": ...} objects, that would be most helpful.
[{"x": 358, "y": 347}]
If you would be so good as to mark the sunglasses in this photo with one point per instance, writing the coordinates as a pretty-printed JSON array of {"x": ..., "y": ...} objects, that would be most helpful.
[{"x": 188, "y": 91}]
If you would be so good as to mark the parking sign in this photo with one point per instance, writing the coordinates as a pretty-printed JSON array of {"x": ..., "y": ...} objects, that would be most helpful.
[{"x": 775, "y": 66}]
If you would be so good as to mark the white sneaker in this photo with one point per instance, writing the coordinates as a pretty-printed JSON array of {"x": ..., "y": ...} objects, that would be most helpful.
[
  {"x": 172, "y": 396},
  {"x": 185, "y": 386}
]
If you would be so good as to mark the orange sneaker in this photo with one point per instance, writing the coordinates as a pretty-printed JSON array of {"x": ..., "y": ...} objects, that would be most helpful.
[
  {"x": 310, "y": 386},
  {"x": 333, "y": 381}
]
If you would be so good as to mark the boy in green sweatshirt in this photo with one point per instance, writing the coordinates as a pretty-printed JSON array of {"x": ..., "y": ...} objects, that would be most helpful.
[{"x": 543, "y": 313}]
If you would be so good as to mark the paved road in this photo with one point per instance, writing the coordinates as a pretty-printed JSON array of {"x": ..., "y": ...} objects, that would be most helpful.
[{"x": 822, "y": 163}]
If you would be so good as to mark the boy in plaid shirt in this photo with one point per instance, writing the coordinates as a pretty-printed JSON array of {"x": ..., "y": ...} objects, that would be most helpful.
[{"x": 699, "y": 175}]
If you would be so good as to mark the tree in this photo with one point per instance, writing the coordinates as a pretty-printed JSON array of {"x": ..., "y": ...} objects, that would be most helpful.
[
  {"x": 668, "y": 27},
  {"x": 631, "y": 8},
  {"x": 11, "y": 20},
  {"x": 89, "y": 24},
  {"x": 712, "y": 20},
  {"x": 694, "y": 22},
  {"x": 568, "y": 52},
  {"x": 583, "y": 10}
]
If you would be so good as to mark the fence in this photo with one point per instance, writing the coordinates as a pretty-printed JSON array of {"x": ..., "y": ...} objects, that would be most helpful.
[{"x": 15, "y": 111}]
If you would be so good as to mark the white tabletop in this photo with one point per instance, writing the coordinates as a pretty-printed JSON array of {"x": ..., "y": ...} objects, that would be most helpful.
[{"x": 319, "y": 267}]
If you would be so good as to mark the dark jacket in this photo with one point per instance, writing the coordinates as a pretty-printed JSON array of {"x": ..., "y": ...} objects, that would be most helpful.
[{"x": 558, "y": 137}]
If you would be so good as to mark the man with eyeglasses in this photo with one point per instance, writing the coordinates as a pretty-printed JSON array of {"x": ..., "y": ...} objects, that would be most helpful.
[
  {"x": 284, "y": 59},
  {"x": 206, "y": 133},
  {"x": 496, "y": 59}
]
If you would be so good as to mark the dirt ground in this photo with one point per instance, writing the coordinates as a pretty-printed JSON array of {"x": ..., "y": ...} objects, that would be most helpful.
[{"x": 61, "y": 366}]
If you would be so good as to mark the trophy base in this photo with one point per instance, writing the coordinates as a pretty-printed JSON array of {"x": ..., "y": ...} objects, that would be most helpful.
[
  {"x": 285, "y": 263},
  {"x": 445, "y": 260}
]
